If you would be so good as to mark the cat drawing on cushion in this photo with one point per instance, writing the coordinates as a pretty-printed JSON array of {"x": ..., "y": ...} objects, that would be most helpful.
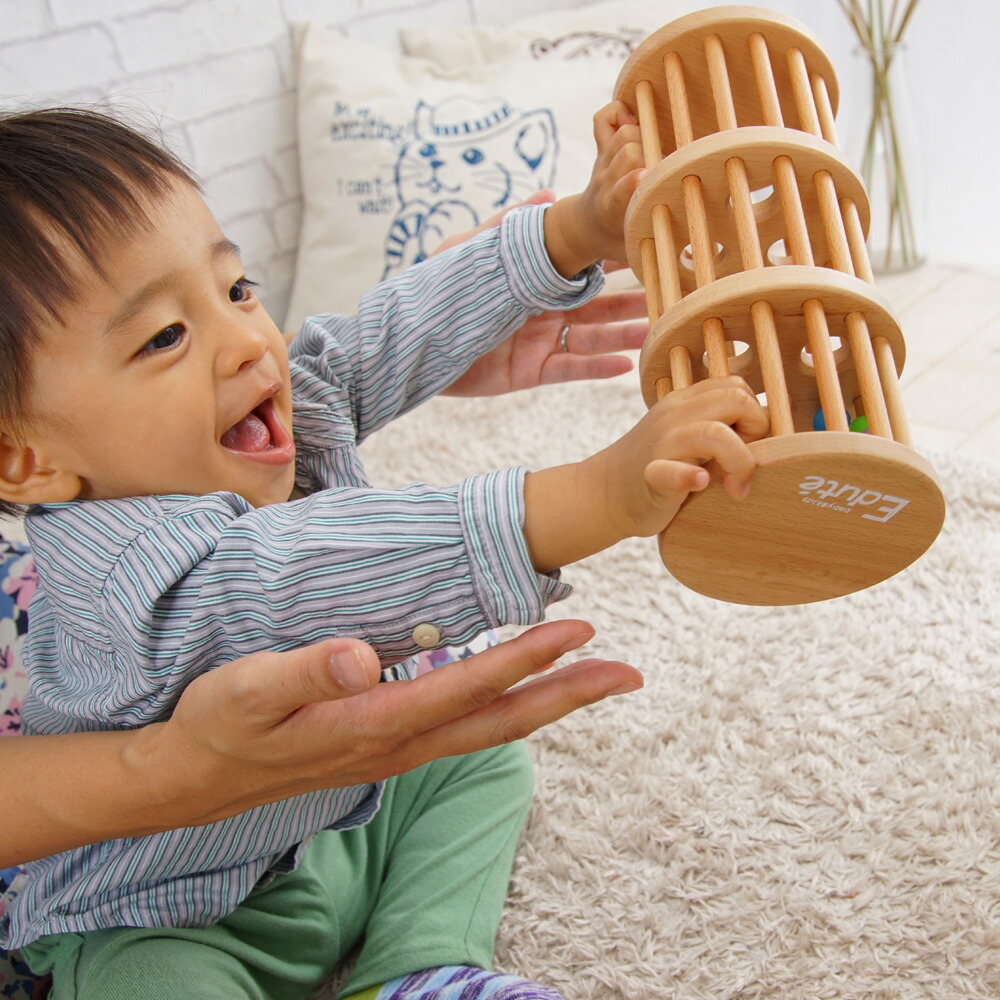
[{"x": 466, "y": 160}]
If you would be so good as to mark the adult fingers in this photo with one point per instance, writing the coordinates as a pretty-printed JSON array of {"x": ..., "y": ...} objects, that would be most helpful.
[
  {"x": 461, "y": 687},
  {"x": 574, "y": 368},
  {"x": 266, "y": 687},
  {"x": 610, "y": 307},
  {"x": 542, "y": 197},
  {"x": 521, "y": 711},
  {"x": 602, "y": 338}
]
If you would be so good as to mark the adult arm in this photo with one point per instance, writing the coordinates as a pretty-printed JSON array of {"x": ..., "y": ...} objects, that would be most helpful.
[{"x": 274, "y": 725}]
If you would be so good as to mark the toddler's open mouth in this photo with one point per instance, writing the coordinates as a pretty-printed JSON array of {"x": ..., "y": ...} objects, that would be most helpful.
[{"x": 259, "y": 433}]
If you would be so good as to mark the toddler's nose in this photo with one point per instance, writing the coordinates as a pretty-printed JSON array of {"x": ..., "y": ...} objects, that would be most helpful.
[
  {"x": 242, "y": 349},
  {"x": 256, "y": 351}
]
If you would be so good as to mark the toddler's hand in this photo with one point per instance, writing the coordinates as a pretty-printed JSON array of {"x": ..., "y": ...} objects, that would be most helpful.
[
  {"x": 616, "y": 174},
  {"x": 650, "y": 471},
  {"x": 636, "y": 486},
  {"x": 591, "y": 225}
]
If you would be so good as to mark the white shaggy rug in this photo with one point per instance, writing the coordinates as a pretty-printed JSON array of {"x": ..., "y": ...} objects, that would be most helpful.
[{"x": 803, "y": 803}]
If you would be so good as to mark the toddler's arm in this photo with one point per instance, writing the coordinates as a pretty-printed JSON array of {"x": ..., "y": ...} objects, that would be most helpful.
[
  {"x": 417, "y": 333},
  {"x": 636, "y": 486}
]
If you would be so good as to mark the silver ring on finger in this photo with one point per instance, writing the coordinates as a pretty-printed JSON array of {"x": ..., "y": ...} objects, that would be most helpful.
[{"x": 563, "y": 334}]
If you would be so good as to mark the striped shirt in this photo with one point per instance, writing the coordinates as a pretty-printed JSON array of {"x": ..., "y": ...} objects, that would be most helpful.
[{"x": 138, "y": 596}]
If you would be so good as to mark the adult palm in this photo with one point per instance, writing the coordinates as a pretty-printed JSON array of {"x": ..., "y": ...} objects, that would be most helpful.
[{"x": 534, "y": 354}]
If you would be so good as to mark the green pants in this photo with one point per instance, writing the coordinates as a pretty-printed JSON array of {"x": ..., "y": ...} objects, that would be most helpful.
[{"x": 422, "y": 885}]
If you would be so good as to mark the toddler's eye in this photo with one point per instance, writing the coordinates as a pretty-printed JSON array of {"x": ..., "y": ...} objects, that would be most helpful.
[
  {"x": 242, "y": 290},
  {"x": 168, "y": 337}
]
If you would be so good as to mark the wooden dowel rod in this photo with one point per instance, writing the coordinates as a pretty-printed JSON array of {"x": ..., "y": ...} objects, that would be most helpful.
[
  {"x": 771, "y": 369},
  {"x": 715, "y": 348},
  {"x": 703, "y": 252},
  {"x": 680, "y": 368},
  {"x": 666, "y": 255},
  {"x": 831, "y": 399},
  {"x": 702, "y": 248},
  {"x": 762, "y": 315},
  {"x": 746, "y": 221},
  {"x": 833, "y": 222},
  {"x": 650, "y": 280},
  {"x": 872, "y": 401},
  {"x": 770, "y": 105},
  {"x": 797, "y": 233},
  {"x": 718, "y": 74},
  {"x": 677, "y": 95},
  {"x": 856, "y": 240},
  {"x": 824, "y": 109},
  {"x": 802, "y": 92},
  {"x": 649, "y": 128},
  {"x": 890, "y": 390},
  {"x": 670, "y": 290}
]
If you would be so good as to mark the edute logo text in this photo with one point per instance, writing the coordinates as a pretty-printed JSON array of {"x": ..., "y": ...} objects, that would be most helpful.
[{"x": 847, "y": 499}]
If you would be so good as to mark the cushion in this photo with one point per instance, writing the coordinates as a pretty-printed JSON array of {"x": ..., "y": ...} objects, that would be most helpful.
[
  {"x": 602, "y": 34},
  {"x": 399, "y": 151}
]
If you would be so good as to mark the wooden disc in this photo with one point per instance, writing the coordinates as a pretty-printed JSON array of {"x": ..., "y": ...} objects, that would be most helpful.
[
  {"x": 828, "y": 514},
  {"x": 786, "y": 289},
  {"x": 757, "y": 147},
  {"x": 733, "y": 24}
]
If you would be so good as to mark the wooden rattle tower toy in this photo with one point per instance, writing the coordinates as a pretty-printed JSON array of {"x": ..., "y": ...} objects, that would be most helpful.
[{"x": 748, "y": 234}]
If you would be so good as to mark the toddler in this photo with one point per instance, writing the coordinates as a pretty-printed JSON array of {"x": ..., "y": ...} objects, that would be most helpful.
[{"x": 194, "y": 493}]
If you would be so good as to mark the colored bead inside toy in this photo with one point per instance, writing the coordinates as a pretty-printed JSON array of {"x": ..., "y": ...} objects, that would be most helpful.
[{"x": 819, "y": 421}]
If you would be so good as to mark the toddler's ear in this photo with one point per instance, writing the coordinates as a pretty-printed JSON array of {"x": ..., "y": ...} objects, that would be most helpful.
[{"x": 24, "y": 480}]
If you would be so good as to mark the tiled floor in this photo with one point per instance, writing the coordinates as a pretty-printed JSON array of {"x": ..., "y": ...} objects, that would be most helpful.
[{"x": 951, "y": 380}]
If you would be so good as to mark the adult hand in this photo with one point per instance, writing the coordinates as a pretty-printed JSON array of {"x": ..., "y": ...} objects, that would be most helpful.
[
  {"x": 535, "y": 355},
  {"x": 539, "y": 354},
  {"x": 272, "y": 725},
  {"x": 279, "y": 724}
]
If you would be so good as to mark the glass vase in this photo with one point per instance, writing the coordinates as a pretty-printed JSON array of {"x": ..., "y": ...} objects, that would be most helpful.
[{"x": 885, "y": 145}]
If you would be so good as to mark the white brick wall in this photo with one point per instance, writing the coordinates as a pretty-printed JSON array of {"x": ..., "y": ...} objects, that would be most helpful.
[{"x": 218, "y": 77}]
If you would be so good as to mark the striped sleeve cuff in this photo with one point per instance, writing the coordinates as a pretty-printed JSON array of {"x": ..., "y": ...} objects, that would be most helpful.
[
  {"x": 534, "y": 282},
  {"x": 507, "y": 586}
]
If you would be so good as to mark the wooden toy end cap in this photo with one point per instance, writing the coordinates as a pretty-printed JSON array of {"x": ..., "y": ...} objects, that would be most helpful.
[{"x": 829, "y": 513}]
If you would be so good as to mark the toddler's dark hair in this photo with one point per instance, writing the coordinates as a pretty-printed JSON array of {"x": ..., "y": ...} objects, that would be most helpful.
[{"x": 68, "y": 176}]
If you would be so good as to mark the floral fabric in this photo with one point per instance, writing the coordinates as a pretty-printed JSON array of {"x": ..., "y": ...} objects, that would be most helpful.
[
  {"x": 432, "y": 658},
  {"x": 17, "y": 981},
  {"x": 17, "y": 586}
]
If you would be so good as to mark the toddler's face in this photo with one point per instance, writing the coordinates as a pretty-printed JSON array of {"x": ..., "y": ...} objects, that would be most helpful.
[{"x": 167, "y": 376}]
